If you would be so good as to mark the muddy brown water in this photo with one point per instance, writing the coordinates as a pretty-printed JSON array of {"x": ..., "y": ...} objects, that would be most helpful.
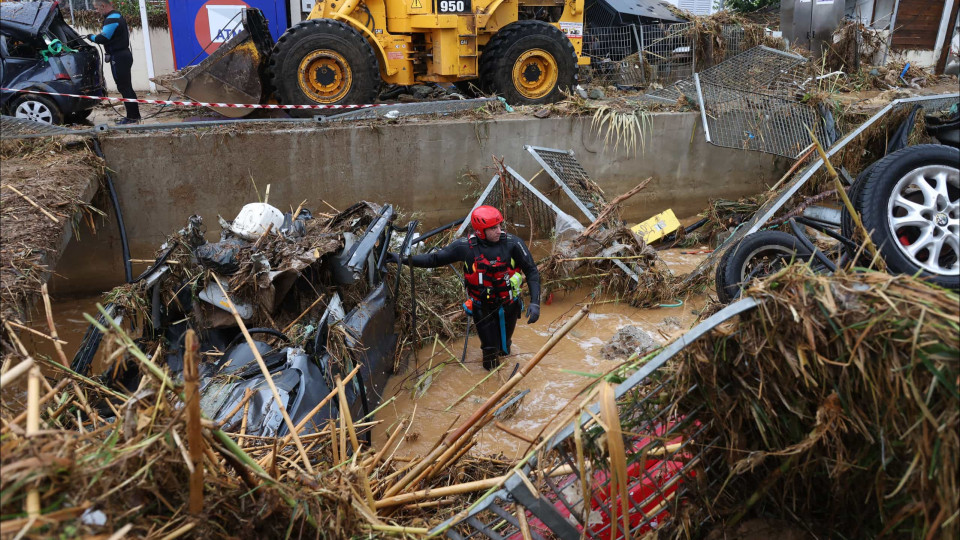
[{"x": 553, "y": 384}]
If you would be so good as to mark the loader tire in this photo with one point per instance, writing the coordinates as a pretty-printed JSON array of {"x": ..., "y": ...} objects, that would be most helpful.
[
  {"x": 323, "y": 62},
  {"x": 529, "y": 63}
]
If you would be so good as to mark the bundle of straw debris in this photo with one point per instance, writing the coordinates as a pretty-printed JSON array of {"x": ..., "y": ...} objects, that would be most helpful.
[
  {"x": 837, "y": 407},
  {"x": 712, "y": 44},
  {"x": 45, "y": 186}
]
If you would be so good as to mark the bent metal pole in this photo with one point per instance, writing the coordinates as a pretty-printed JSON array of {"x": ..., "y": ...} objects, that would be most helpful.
[{"x": 486, "y": 407}]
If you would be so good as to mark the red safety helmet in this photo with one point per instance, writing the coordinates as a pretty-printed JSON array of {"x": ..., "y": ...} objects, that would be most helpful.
[{"x": 483, "y": 218}]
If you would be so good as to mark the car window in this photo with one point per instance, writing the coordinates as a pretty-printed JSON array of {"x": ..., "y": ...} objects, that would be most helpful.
[{"x": 15, "y": 48}]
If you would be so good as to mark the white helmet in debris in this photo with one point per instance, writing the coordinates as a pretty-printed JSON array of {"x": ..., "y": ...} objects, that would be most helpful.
[{"x": 254, "y": 219}]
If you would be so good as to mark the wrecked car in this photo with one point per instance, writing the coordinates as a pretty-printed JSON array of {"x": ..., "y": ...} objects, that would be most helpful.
[
  {"x": 311, "y": 292},
  {"x": 909, "y": 201},
  {"x": 40, "y": 51}
]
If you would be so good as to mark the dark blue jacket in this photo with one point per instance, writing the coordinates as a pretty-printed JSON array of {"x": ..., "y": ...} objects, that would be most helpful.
[{"x": 115, "y": 36}]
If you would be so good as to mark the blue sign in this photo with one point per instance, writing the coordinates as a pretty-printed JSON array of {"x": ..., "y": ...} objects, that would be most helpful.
[{"x": 198, "y": 27}]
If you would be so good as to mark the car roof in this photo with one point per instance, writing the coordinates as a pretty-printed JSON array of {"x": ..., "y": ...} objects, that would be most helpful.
[{"x": 25, "y": 20}]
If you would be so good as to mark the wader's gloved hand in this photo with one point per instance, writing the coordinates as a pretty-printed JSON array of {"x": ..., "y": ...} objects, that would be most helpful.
[
  {"x": 392, "y": 258},
  {"x": 533, "y": 313}
]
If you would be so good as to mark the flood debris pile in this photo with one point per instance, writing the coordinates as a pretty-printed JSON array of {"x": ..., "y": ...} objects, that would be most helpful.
[
  {"x": 46, "y": 186},
  {"x": 836, "y": 405},
  {"x": 148, "y": 463}
]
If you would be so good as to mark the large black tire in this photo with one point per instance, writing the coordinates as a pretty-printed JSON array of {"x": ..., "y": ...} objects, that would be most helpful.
[
  {"x": 910, "y": 205},
  {"x": 529, "y": 63},
  {"x": 323, "y": 62},
  {"x": 757, "y": 255},
  {"x": 37, "y": 108},
  {"x": 847, "y": 226}
]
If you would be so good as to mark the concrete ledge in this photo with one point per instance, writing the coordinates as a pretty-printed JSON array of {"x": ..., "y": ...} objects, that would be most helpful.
[{"x": 164, "y": 177}]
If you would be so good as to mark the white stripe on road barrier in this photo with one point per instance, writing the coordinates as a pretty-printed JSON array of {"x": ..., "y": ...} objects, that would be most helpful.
[{"x": 196, "y": 103}]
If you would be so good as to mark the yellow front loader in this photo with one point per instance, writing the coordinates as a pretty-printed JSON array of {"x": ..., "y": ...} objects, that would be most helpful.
[{"x": 523, "y": 50}]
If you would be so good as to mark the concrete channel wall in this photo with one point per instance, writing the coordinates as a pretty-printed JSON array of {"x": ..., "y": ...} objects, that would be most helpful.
[{"x": 164, "y": 177}]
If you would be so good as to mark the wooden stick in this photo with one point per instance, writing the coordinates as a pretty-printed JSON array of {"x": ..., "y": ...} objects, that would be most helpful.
[
  {"x": 35, "y": 205},
  {"x": 457, "y": 489},
  {"x": 846, "y": 202},
  {"x": 35, "y": 332},
  {"x": 524, "y": 526},
  {"x": 388, "y": 444},
  {"x": 345, "y": 415},
  {"x": 295, "y": 321},
  {"x": 33, "y": 426},
  {"x": 486, "y": 407},
  {"x": 48, "y": 309},
  {"x": 46, "y": 397},
  {"x": 266, "y": 375},
  {"x": 334, "y": 441},
  {"x": 15, "y": 372},
  {"x": 613, "y": 206},
  {"x": 509, "y": 431},
  {"x": 803, "y": 157},
  {"x": 474, "y": 387},
  {"x": 242, "y": 404},
  {"x": 246, "y": 411},
  {"x": 191, "y": 390}
]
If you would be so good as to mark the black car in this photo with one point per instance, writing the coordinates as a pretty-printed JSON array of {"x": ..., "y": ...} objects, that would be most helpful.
[{"x": 40, "y": 51}]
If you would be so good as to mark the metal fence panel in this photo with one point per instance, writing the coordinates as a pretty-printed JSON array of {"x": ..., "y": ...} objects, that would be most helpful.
[
  {"x": 12, "y": 127},
  {"x": 754, "y": 121}
]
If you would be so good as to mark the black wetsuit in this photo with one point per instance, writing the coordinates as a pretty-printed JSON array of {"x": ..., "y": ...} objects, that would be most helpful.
[
  {"x": 115, "y": 38},
  {"x": 494, "y": 325}
]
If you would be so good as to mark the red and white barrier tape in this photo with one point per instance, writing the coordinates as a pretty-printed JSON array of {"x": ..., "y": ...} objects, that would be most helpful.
[{"x": 196, "y": 103}]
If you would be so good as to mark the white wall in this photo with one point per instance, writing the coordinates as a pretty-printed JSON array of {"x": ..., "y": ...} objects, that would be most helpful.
[{"x": 162, "y": 57}]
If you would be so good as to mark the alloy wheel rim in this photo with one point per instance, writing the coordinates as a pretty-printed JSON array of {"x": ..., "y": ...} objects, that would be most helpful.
[
  {"x": 923, "y": 215},
  {"x": 36, "y": 111}
]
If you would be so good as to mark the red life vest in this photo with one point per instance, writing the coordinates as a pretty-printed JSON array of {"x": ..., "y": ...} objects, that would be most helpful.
[{"x": 489, "y": 281}]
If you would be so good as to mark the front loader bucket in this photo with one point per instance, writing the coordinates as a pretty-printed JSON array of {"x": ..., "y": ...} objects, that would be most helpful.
[{"x": 232, "y": 74}]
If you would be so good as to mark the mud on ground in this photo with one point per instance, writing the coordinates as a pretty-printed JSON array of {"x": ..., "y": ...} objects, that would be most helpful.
[{"x": 45, "y": 186}]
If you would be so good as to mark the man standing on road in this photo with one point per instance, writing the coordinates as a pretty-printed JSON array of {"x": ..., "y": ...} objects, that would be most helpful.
[
  {"x": 115, "y": 38},
  {"x": 492, "y": 260}
]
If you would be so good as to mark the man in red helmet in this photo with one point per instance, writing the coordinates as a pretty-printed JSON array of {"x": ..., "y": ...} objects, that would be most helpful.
[{"x": 492, "y": 261}]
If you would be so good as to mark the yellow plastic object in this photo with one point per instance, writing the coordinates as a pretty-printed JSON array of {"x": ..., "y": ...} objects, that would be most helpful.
[{"x": 657, "y": 227}]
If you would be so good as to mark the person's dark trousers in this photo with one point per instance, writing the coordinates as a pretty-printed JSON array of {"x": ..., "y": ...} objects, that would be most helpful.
[
  {"x": 495, "y": 330},
  {"x": 120, "y": 64}
]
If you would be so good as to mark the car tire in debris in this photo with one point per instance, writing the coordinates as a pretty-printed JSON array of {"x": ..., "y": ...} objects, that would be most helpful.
[
  {"x": 529, "y": 63},
  {"x": 847, "y": 226},
  {"x": 323, "y": 62},
  {"x": 757, "y": 255},
  {"x": 37, "y": 108},
  {"x": 910, "y": 205}
]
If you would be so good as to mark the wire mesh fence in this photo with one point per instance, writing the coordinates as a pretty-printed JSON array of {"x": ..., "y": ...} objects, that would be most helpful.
[
  {"x": 649, "y": 54},
  {"x": 751, "y": 102},
  {"x": 753, "y": 121}
]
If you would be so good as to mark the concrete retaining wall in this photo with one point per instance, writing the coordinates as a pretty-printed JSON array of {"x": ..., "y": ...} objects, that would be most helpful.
[{"x": 164, "y": 177}]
